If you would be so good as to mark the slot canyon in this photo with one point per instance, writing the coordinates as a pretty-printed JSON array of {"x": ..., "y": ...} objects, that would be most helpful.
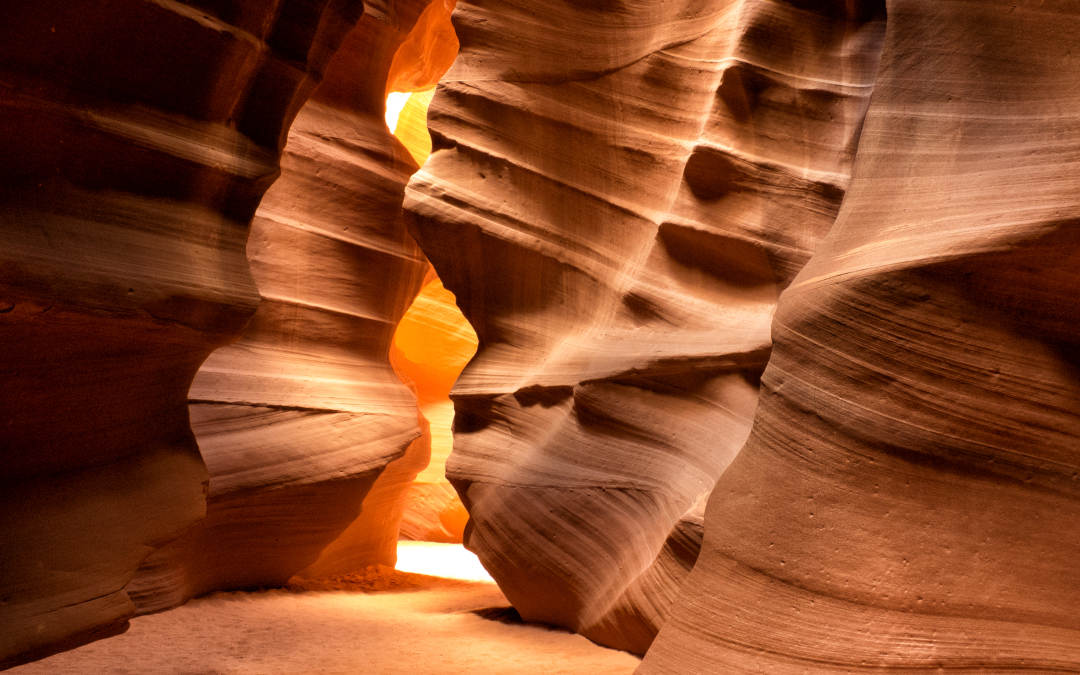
[{"x": 731, "y": 336}]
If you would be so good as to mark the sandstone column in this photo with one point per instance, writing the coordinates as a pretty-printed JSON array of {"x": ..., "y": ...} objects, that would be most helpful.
[
  {"x": 908, "y": 499},
  {"x": 617, "y": 194},
  {"x": 303, "y": 423},
  {"x": 136, "y": 141}
]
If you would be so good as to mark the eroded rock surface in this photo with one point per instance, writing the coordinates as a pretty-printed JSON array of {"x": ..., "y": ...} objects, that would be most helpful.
[
  {"x": 908, "y": 499},
  {"x": 137, "y": 139},
  {"x": 617, "y": 226},
  {"x": 303, "y": 424},
  {"x": 619, "y": 192}
]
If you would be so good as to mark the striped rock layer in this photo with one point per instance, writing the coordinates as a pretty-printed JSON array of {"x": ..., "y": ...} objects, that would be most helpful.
[
  {"x": 307, "y": 433},
  {"x": 616, "y": 221},
  {"x": 909, "y": 498},
  {"x": 137, "y": 139}
]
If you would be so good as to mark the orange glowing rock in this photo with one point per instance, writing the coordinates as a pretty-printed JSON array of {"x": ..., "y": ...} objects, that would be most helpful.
[
  {"x": 433, "y": 342},
  {"x": 419, "y": 62},
  {"x": 427, "y": 53},
  {"x": 431, "y": 347}
]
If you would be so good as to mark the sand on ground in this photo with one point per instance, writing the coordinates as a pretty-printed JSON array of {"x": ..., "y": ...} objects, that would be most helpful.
[{"x": 378, "y": 622}]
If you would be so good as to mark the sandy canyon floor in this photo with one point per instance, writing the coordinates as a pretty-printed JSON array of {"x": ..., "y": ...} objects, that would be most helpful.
[{"x": 382, "y": 622}]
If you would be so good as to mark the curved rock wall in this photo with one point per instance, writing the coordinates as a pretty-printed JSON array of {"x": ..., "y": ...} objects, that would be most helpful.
[
  {"x": 908, "y": 499},
  {"x": 617, "y": 226},
  {"x": 303, "y": 424},
  {"x": 137, "y": 139}
]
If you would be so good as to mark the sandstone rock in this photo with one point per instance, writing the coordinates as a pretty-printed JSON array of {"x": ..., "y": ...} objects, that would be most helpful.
[
  {"x": 908, "y": 499},
  {"x": 619, "y": 191},
  {"x": 617, "y": 227},
  {"x": 137, "y": 139},
  {"x": 433, "y": 512},
  {"x": 298, "y": 420}
]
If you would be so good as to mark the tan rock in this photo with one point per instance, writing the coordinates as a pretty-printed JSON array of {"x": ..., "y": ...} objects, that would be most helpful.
[
  {"x": 434, "y": 512},
  {"x": 304, "y": 425},
  {"x": 617, "y": 226},
  {"x": 908, "y": 498},
  {"x": 137, "y": 139}
]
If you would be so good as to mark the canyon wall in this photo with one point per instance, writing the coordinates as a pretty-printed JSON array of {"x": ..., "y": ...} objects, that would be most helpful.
[
  {"x": 638, "y": 205},
  {"x": 137, "y": 139},
  {"x": 908, "y": 498},
  {"x": 305, "y": 428},
  {"x": 616, "y": 219}
]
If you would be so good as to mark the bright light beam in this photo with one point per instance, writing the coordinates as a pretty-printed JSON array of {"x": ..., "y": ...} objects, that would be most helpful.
[
  {"x": 450, "y": 561},
  {"x": 395, "y": 102}
]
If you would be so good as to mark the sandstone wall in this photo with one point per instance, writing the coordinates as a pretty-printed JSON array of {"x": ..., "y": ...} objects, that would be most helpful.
[
  {"x": 908, "y": 499},
  {"x": 137, "y": 139},
  {"x": 616, "y": 196},
  {"x": 303, "y": 424}
]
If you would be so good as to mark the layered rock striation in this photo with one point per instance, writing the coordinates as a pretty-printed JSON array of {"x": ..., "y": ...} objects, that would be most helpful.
[
  {"x": 305, "y": 428},
  {"x": 620, "y": 195},
  {"x": 908, "y": 499},
  {"x": 137, "y": 139},
  {"x": 617, "y": 226}
]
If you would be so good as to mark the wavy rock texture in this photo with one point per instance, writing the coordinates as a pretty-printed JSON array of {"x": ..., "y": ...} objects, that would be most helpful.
[
  {"x": 617, "y": 227},
  {"x": 303, "y": 424},
  {"x": 137, "y": 139},
  {"x": 908, "y": 499},
  {"x": 432, "y": 344}
]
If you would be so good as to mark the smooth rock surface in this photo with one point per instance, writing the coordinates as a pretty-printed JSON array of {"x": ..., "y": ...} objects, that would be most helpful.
[
  {"x": 137, "y": 139},
  {"x": 303, "y": 424},
  {"x": 908, "y": 499},
  {"x": 618, "y": 196},
  {"x": 617, "y": 227}
]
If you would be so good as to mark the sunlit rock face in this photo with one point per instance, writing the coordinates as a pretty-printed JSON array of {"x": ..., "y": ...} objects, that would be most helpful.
[
  {"x": 617, "y": 194},
  {"x": 137, "y": 139},
  {"x": 303, "y": 424},
  {"x": 908, "y": 499},
  {"x": 432, "y": 344}
]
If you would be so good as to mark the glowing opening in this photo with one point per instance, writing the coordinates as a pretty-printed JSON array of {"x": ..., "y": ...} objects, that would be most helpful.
[
  {"x": 419, "y": 63},
  {"x": 431, "y": 346},
  {"x": 440, "y": 560},
  {"x": 395, "y": 101},
  {"x": 433, "y": 341}
]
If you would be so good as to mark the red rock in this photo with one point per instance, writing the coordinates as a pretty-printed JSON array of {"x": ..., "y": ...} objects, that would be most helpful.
[
  {"x": 137, "y": 139},
  {"x": 620, "y": 195}
]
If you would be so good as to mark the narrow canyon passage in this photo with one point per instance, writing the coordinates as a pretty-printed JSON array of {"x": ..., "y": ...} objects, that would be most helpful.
[{"x": 764, "y": 311}]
